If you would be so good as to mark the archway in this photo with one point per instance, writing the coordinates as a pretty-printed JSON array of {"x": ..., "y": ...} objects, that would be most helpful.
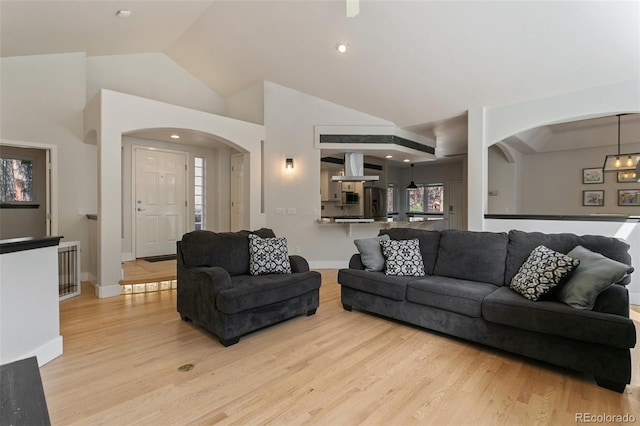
[{"x": 112, "y": 114}]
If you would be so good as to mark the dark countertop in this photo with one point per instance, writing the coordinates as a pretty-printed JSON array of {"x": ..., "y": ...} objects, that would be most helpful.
[
  {"x": 22, "y": 399},
  {"x": 592, "y": 218},
  {"x": 27, "y": 243}
]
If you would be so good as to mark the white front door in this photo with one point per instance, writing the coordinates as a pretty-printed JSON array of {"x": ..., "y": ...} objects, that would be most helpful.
[
  {"x": 160, "y": 201},
  {"x": 237, "y": 192}
]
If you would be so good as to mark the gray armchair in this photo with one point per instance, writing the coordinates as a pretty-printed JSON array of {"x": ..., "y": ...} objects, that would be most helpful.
[{"x": 216, "y": 291}]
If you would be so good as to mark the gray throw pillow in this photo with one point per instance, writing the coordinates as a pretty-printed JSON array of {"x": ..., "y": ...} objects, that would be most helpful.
[
  {"x": 542, "y": 272},
  {"x": 371, "y": 252},
  {"x": 595, "y": 273},
  {"x": 403, "y": 257}
]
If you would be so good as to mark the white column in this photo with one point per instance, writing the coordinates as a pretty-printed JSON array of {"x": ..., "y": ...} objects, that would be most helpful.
[{"x": 477, "y": 170}]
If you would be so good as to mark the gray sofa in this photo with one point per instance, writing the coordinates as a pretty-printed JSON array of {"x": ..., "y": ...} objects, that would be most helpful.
[
  {"x": 465, "y": 293},
  {"x": 216, "y": 290}
]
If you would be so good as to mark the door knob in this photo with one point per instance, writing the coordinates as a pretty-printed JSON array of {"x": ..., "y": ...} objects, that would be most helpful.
[{"x": 140, "y": 209}]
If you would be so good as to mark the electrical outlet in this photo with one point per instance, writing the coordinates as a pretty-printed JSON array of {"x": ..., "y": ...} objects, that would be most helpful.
[
  {"x": 292, "y": 210},
  {"x": 279, "y": 210}
]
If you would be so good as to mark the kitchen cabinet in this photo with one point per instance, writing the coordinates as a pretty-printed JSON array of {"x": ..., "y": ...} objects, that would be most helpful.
[
  {"x": 329, "y": 190},
  {"x": 349, "y": 186}
]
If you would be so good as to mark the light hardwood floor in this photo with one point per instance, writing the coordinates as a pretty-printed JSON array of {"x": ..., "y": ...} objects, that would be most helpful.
[{"x": 122, "y": 357}]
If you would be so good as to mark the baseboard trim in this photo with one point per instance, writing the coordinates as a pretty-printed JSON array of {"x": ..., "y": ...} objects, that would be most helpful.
[
  {"x": 107, "y": 291},
  {"x": 47, "y": 352},
  {"x": 328, "y": 264},
  {"x": 128, "y": 257},
  {"x": 634, "y": 298}
]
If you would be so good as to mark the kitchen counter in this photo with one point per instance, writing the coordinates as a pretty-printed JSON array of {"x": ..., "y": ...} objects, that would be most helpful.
[{"x": 384, "y": 224}]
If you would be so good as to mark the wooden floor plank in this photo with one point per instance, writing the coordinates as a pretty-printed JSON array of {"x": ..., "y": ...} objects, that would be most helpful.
[{"x": 122, "y": 354}]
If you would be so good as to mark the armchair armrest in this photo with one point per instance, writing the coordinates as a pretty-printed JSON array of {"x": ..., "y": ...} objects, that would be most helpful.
[
  {"x": 210, "y": 279},
  {"x": 197, "y": 291}
]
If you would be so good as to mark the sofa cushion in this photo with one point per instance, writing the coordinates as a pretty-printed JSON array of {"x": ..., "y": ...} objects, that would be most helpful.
[
  {"x": 542, "y": 272},
  {"x": 268, "y": 256},
  {"x": 371, "y": 252},
  {"x": 595, "y": 273},
  {"x": 473, "y": 256},
  {"x": 402, "y": 257},
  {"x": 429, "y": 242},
  {"x": 228, "y": 250},
  {"x": 392, "y": 287},
  {"x": 249, "y": 292},
  {"x": 521, "y": 243},
  {"x": 451, "y": 294},
  {"x": 504, "y": 306}
]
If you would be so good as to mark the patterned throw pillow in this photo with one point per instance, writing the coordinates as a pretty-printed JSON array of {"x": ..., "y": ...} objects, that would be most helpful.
[
  {"x": 542, "y": 272},
  {"x": 268, "y": 256},
  {"x": 402, "y": 257}
]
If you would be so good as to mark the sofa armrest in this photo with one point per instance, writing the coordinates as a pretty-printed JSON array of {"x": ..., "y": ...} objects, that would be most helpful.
[
  {"x": 613, "y": 300},
  {"x": 356, "y": 262},
  {"x": 298, "y": 264}
]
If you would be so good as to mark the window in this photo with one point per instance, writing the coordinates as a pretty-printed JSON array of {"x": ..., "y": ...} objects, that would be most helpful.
[
  {"x": 435, "y": 198},
  {"x": 17, "y": 182},
  {"x": 426, "y": 198},
  {"x": 199, "y": 194}
]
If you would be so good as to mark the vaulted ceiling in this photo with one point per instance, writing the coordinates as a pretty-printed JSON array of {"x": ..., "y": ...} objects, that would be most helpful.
[{"x": 420, "y": 64}]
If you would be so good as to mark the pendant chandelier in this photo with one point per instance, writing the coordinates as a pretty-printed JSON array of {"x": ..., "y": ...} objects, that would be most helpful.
[
  {"x": 621, "y": 162},
  {"x": 412, "y": 185}
]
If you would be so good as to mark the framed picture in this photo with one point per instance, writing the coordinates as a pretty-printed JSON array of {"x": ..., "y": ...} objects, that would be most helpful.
[
  {"x": 629, "y": 197},
  {"x": 592, "y": 175},
  {"x": 593, "y": 198},
  {"x": 626, "y": 176}
]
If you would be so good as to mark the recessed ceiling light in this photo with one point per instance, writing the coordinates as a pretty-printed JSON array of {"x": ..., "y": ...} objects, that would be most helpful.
[
  {"x": 123, "y": 13},
  {"x": 388, "y": 156},
  {"x": 342, "y": 47},
  {"x": 175, "y": 137},
  {"x": 406, "y": 160}
]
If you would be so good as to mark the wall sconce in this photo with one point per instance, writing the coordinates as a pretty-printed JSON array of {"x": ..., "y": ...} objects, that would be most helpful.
[{"x": 288, "y": 165}]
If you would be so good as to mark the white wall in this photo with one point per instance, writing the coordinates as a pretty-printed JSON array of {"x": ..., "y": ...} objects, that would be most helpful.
[
  {"x": 247, "y": 105},
  {"x": 29, "y": 306},
  {"x": 502, "y": 183},
  {"x": 552, "y": 183},
  {"x": 42, "y": 101},
  {"x": 290, "y": 117},
  {"x": 43, "y": 98},
  {"x": 152, "y": 76}
]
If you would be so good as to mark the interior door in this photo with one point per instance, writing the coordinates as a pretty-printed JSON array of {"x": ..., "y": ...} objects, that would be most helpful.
[
  {"x": 237, "y": 192},
  {"x": 160, "y": 201},
  {"x": 456, "y": 210}
]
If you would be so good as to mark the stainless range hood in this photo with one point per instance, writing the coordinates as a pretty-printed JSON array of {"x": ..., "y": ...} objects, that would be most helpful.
[{"x": 354, "y": 169}]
